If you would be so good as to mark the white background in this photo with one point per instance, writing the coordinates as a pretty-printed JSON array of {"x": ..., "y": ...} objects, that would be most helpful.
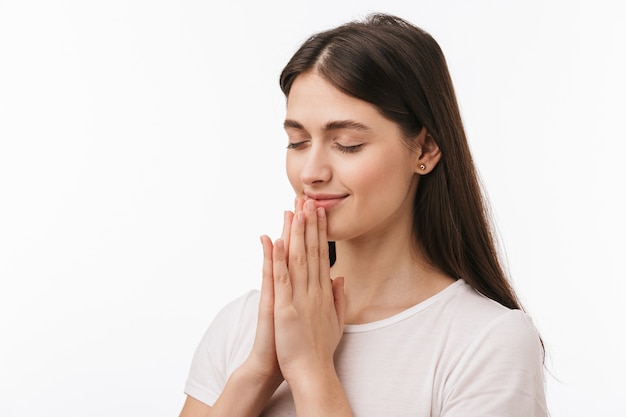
[{"x": 141, "y": 156}]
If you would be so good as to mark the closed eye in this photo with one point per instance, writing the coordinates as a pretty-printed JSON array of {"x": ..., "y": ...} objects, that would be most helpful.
[
  {"x": 296, "y": 145},
  {"x": 348, "y": 149}
]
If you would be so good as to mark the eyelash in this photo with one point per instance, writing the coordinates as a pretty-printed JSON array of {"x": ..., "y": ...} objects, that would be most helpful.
[
  {"x": 348, "y": 149},
  {"x": 295, "y": 145},
  {"x": 340, "y": 148}
]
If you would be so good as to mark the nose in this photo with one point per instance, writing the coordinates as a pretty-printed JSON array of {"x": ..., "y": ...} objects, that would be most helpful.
[{"x": 316, "y": 166}]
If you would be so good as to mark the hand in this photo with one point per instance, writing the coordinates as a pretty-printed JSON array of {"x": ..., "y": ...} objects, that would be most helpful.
[
  {"x": 287, "y": 221},
  {"x": 308, "y": 305},
  {"x": 262, "y": 359}
]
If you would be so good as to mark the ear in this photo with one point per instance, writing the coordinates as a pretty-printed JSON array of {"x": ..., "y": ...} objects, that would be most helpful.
[{"x": 427, "y": 152}]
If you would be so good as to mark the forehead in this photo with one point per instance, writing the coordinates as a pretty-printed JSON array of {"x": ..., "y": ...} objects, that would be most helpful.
[{"x": 313, "y": 98}]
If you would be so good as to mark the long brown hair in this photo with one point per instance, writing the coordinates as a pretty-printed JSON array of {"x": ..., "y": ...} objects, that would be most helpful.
[{"x": 400, "y": 69}]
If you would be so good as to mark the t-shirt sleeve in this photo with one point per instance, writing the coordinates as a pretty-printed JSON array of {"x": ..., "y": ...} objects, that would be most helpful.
[
  {"x": 224, "y": 346},
  {"x": 501, "y": 372}
]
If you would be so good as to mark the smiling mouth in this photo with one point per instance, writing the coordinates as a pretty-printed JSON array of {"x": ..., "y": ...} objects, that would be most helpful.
[{"x": 327, "y": 202}]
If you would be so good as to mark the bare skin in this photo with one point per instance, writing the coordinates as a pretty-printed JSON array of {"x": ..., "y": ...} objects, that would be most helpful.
[
  {"x": 306, "y": 306},
  {"x": 355, "y": 180}
]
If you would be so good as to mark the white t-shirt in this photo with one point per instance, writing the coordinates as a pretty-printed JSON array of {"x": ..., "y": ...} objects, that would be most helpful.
[{"x": 456, "y": 354}]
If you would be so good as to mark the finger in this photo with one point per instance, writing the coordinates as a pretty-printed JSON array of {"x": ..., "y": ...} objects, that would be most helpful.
[
  {"x": 312, "y": 245},
  {"x": 266, "y": 305},
  {"x": 287, "y": 220},
  {"x": 283, "y": 291},
  {"x": 297, "y": 255},
  {"x": 299, "y": 203},
  {"x": 324, "y": 255}
]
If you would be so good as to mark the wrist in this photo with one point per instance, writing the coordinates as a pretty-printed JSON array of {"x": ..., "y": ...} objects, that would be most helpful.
[
  {"x": 259, "y": 376},
  {"x": 246, "y": 393},
  {"x": 311, "y": 380},
  {"x": 319, "y": 393}
]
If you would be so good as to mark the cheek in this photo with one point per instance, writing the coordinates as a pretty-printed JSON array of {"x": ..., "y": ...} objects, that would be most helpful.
[
  {"x": 377, "y": 171},
  {"x": 390, "y": 177},
  {"x": 293, "y": 174}
]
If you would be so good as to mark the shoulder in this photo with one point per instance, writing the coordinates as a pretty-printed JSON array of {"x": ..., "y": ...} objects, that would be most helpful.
[
  {"x": 474, "y": 306},
  {"x": 240, "y": 308},
  {"x": 492, "y": 322},
  {"x": 235, "y": 322},
  {"x": 232, "y": 329},
  {"x": 500, "y": 362},
  {"x": 489, "y": 325},
  {"x": 224, "y": 346},
  {"x": 511, "y": 336}
]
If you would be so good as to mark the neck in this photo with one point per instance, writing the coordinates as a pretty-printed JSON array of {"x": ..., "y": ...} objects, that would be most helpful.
[{"x": 384, "y": 276}]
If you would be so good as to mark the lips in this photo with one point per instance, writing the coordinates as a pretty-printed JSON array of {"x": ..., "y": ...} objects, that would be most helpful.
[{"x": 326, "y": 201}]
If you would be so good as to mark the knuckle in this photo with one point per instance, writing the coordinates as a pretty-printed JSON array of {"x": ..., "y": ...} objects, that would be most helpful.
[
  {"x": 313, "y": 252},
  {"x": 282, "y": 277},
  {"x": 324, "y": 252},
  {"x": 299, "y": 261}
]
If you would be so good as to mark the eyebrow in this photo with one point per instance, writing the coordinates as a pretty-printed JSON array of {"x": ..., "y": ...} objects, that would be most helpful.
[{"x": 334, "y": 125}]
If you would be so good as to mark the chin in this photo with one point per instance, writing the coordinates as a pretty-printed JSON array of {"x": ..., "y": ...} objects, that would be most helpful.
[
  {"x": 339, "y": 230},
  {"x": 331, "y": 233},
  {"x": 334, "y": 235}
]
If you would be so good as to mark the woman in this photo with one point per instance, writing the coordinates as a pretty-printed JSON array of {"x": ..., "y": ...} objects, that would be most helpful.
[{"x": 420, "y": 319}]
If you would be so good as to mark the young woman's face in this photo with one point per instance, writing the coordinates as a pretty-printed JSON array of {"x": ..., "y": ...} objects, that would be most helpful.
[{"x": 351, "y": 160}]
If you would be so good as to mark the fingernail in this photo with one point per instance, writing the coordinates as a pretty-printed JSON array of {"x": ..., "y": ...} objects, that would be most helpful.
[
  {"x": 309, "y": 205},
  {"x": 321, "y": 213},
  {"x": 300, "y": 216}
]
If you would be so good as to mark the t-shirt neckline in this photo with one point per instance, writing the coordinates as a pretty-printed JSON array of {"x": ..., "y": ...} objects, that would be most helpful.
[{"x": 411, "y": 311}]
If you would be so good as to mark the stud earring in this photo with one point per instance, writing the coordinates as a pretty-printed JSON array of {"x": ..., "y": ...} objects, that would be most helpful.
[{"x": 422, "y": 167}]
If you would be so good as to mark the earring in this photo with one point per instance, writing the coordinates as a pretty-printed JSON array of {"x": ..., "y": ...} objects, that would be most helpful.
[{"x": 422, "y": 167}]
